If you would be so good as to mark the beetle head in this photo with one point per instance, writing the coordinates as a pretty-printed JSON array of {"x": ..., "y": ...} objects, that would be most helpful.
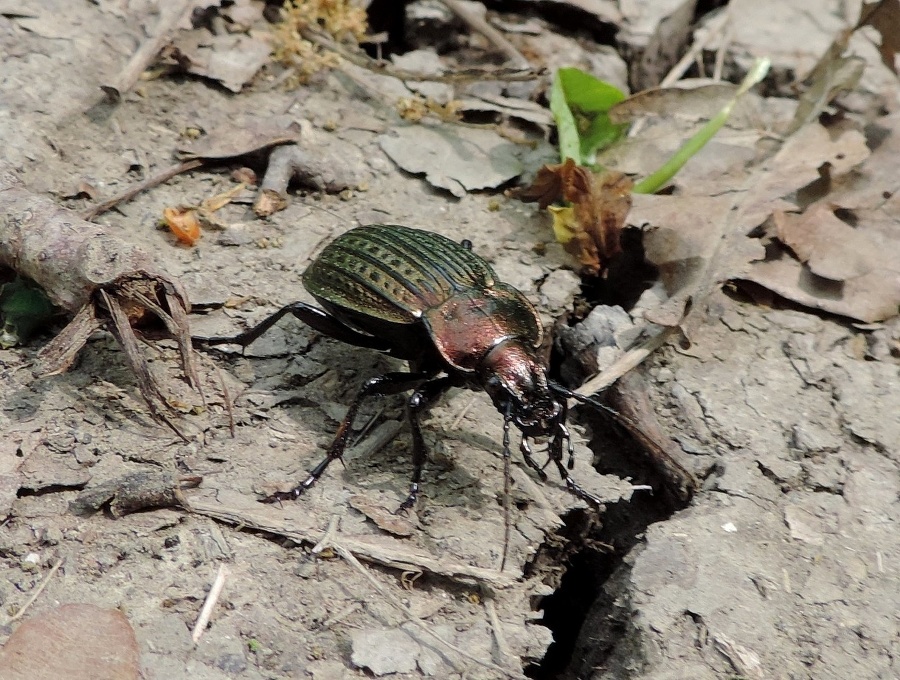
[{"x": 516, "y": 381}]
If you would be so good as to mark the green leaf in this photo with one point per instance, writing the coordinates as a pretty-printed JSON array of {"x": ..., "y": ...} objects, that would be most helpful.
[
  {"x": 600, "y": 133},
  {"x": 587, "y": 93},
  {"x": 24, "y": 307},
  {"x": 586, "y": 100},
  {"x": 656, "y": 181},
  {"x": 566, "y": 128}
]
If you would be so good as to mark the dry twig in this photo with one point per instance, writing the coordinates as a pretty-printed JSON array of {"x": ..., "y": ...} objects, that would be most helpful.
[
  {"x": 97, "y": 278},
  {"x": 210, "y": 603},
  {"x": 461, "y": 76},
  {"x": 625, "y": 363},
  {"x": 236, "y": 509},
  {"x": 37, "y": 592},
  {"x": 488, "y": 31},
  {"x": 348, "y": 557},
  {"x": 172, "y": 13},
  {"x": 132, "y": 191}
]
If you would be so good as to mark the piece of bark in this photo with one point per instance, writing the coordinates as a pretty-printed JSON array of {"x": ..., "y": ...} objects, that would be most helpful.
[
  {"x": 134, "y": 492},
  {"x": 635, "y": 413},
  {"x": 97, "y": 278}
]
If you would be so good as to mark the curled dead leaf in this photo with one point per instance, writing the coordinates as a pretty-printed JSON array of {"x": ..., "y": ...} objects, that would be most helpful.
[
  {"x": 591, "y": 226},
  {"x": 832, "y": 266}
]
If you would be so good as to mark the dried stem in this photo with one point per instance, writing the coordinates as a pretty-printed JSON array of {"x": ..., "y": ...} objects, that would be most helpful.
[{"x": 210, "y": 603}]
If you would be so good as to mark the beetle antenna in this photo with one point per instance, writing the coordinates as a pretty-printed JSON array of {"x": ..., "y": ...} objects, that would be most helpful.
[
  {"x": 590, "y": 401},
  {"x": 580, "y": 398},
  {"x": 507, "y": 418}
]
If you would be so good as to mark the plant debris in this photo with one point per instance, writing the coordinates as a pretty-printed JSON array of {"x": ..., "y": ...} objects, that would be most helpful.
[
  {"x": 590, "y": 227},
  {"x": 97, "y": 278},
  {"x": 135, "y": 492}
]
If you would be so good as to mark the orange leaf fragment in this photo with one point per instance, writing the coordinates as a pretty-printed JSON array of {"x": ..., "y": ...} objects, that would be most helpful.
[{"x": 183, "y": 223}]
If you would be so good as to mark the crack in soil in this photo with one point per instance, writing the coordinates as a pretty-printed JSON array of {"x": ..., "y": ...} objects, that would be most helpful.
[{"x": 591, "y": 554}]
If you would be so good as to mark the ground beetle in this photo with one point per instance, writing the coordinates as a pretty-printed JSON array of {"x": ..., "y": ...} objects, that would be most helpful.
[{"x": 421, "y": 297}]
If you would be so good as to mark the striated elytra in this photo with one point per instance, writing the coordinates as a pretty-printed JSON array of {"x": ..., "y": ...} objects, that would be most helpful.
[{"x": 431, "y": 301}]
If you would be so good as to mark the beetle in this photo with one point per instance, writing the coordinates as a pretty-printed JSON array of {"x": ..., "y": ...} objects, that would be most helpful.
[{"x": 431, "y": 301}]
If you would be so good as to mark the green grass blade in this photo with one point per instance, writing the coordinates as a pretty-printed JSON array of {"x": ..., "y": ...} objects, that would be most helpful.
[
  {"x": 656, "y": 181},
  {"x": 566, "y": 128}
]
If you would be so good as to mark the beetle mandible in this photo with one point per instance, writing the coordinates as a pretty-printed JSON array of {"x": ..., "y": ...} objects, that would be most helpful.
[{"x": 431, "y": 301}]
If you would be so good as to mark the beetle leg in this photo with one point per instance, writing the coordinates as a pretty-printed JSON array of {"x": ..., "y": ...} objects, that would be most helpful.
[
  {"x": 556, "y": 455},
  {"x": 418, "y": 402},
  {"x": 382, "y": 385},
  {"x": 317, "y": 319},
  {"x": 570, "y": 447},
  {"x": 525, "y": 448},
  {"x": 507, "y": 476}
]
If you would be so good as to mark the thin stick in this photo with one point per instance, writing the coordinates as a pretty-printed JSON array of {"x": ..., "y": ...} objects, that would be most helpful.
[
  {"x": 497, "y": 628},
  {"x": 461, "y": 76},
  {"x": 37, "y": 591},
  {"x": 677, "y": 71},
  {"x": 416, "y": 621},
  {"x": 149, "y": 183},
  {"x": 171, "y": 15},
  {"x": 229, "y": 404},
  {"x": 211, "y": 599},
  {"x": 395, "y": 555},
  {"x": 488, "y": 31},
  {"x": 625, "y": 363},
  {"x": 723, "y": 47},
  {"x": 325, "y": 541},
  {"x": 463, "y": 412}
]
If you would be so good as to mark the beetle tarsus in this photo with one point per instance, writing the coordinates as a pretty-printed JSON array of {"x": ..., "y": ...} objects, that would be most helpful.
[
  {"x": 525, "y": 448},
  {"x": 586, "y": 496},
  {"x": 410, "y": 501}
]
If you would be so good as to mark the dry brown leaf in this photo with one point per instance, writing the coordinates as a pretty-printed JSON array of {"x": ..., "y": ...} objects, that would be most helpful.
[
  {"x": 701, "y": 243},
  {"x": 884, "y": 17},
  {"x": 75, "y": 642},
  {"x": 384, "y": 518},
  {"x": 242, "y": 138},
  {"x": 838, "y": 268},
  {"x": 547, "y": 186},
  {"x": 691, "y": 100},
  {"x": 230, "y": 59},
  {"x": 830, "y": 248},
  {"x": 679, "y": 234},
  {"x": 842, "y": 254},
  {"x": 589, "y": 229}
]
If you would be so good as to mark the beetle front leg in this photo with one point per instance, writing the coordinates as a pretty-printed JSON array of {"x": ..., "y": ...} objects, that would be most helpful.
[
  {"x": 418, "y": 402},
  {"x": 526, "y": 451},
  {"x": 382, "y": 385},
  {"x": 556, "y": 455}
]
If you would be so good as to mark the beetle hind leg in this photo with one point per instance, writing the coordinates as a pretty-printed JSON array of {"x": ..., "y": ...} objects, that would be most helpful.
[{"x": 317, "y": 319}]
